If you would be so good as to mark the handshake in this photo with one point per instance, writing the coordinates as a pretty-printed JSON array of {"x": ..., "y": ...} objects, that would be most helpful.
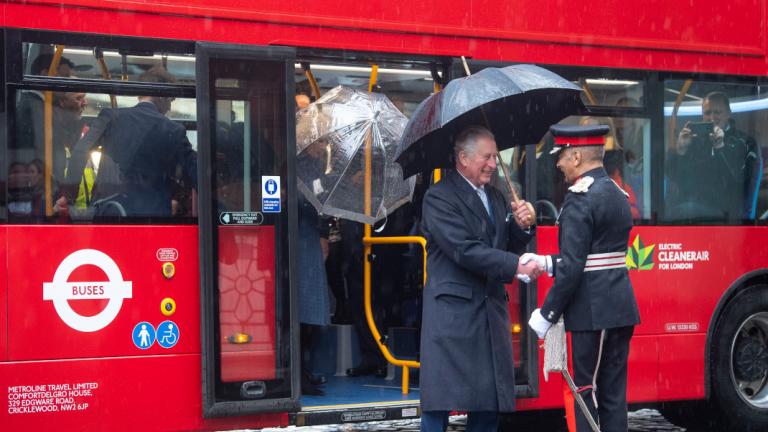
[{"x": 531, "y": 266}]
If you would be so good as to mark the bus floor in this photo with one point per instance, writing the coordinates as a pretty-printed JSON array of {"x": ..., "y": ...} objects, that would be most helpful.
[
  {"x": 335, "y": 349},
  {"x": 350, "y": 392}
]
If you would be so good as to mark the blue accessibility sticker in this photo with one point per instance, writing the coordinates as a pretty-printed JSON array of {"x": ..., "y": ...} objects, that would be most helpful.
[
  {"x": 167, "y": 334},
  {"x": 143, "y": 335},
  {"x": 270, "y": 194}
]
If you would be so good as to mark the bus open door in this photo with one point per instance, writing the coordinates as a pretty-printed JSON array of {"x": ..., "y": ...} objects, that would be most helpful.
[{"x": 247, "y": 229}]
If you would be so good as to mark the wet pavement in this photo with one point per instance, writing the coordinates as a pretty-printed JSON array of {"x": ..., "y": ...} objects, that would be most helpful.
[{"x": 644, "y": 420}]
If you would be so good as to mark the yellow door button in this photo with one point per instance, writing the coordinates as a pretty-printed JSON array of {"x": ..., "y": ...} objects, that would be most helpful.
[
  {"x": 169, "y": 270},
  {"x": 168, "y": 306}
]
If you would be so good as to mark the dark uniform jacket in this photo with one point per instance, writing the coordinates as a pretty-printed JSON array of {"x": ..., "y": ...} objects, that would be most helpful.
[
  {"x": 466, "y": 349},
  {"x": 595, "y": 219},
  {"x": 146, "y": 148}
]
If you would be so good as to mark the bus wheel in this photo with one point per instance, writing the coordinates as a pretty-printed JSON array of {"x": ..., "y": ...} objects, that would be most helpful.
[{"x": 740, "y": 360}]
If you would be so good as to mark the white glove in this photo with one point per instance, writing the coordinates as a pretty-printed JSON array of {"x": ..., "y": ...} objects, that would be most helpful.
[
  {"x": 539, "y": 324},
  {"x": 523, "y": 278},
  {"x": 544, "y": 261}
]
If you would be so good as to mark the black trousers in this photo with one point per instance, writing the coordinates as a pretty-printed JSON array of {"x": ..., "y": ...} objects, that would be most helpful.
[{"x": 600, "y": 372}]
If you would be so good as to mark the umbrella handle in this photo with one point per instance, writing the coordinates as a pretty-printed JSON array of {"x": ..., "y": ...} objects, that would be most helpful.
[
  {"x": 466, "y": 66},
  {"x": 515, "y": 197}
]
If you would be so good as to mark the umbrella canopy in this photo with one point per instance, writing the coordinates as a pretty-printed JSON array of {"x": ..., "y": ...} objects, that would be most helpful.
[
  {"x": 517, "y": 103},
  {"x": 333, "y": 136}
]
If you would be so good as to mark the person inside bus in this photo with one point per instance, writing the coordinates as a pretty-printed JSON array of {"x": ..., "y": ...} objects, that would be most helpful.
[
  {"x": 714, "y": 169},
  {"x": 473, "y": 237},
  {"x": 145, "y": 148},
  {"x": 314, "y": 295},
  {"x": 613, "y": 161},
  {"x": 629, "y": 136},
  {"x": 68, "y": 128},
  {"x": 20, "y": 200},
  {"x": 30, "y": 128}
]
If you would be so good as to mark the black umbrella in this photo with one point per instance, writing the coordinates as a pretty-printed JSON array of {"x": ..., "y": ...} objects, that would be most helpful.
[{"x": 517, "y": 103}]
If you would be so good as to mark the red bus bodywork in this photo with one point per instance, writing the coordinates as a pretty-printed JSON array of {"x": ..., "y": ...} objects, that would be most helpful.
[{"x": 156, "y": 389}]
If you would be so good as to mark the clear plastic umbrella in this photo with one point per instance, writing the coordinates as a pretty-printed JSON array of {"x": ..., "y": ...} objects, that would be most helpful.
[{"x": 341, "y": 137}]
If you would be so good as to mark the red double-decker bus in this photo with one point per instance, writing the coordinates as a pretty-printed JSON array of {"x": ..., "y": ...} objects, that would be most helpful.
[{"x": 187, "y": 318}]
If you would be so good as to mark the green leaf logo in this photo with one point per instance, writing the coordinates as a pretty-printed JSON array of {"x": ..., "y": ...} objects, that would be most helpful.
[{"x": 640, "y": 257}]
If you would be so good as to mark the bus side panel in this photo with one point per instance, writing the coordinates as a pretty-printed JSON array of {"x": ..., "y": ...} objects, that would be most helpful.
[
  {"x": 69, "y": 376},
  {"x": 684, "y": 26},
  {"x": 3, "y": 295},
  {"x": 545, "y": 48},
  {"x": 97, "y": 291},
  {"x": 145, "y": 393},
  {"x": 643, "y": 369},
  {"x": 681, "y": 369}
]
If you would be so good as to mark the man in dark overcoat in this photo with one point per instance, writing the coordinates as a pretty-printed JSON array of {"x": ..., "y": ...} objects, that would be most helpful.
[
  {"x": 592, "y": 288},
  {"x": 473, "y": 238},
  {"x": 144, "y": 148}
]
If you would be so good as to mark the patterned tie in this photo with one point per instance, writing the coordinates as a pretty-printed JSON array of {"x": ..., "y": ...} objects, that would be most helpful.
[{"x": 486, "y": 202}]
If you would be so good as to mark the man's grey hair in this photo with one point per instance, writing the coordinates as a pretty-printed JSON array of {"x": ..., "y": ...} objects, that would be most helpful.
[
  {"x": 590, "y": 153},
  {"x": 466, "y": 140}
]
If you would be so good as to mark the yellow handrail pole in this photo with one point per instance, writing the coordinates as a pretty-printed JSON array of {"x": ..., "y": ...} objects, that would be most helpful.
[
  {"x": 402, "y": 240},
  {"x": 99, "y": 54},
  {"x": 367, "y": 253},
  {"x": 312, "y": 81},
  {"x": 437, "y": 174},
  {"x": 593, "y": 101},
  {"x": 53, "y": 70}
]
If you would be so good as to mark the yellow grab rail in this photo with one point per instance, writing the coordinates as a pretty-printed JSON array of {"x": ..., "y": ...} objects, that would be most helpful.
[{"x": 368, "y": 241}]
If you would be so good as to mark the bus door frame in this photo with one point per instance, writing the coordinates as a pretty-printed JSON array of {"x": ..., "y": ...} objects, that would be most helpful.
[{"x": 204, "y": 53}]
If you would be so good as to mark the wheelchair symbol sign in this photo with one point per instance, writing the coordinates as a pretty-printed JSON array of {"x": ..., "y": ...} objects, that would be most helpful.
[{"x": 167, "y": 334}]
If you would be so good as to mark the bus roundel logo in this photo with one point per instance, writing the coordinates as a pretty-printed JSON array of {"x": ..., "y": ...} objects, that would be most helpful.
[{"x": 61, "y": 291}]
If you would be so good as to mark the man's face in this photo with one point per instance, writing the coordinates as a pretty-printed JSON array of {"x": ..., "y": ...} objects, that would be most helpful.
[
  {"x": 75, "y": 102},
  {"x": 716, "y": 112},
  {"x": 480, "y": 166},
  {"x": 568, "y": 163},
  {"x": 302, "y": 101}
]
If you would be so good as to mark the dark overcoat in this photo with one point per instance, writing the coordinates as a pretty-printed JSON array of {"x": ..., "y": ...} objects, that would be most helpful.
[
  {"x": 595, "y": 219},
  {"x": 466, "y": 346}
]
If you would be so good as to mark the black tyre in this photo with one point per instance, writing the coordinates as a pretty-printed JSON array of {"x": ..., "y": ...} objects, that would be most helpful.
[{"x": 739, "y": 361}]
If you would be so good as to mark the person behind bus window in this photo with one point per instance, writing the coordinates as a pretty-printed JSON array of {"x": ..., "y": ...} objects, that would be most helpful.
[
  {"x": 19, "y": 190},
  {"x": 30, "y": 129},
  {"x": 714, "y": 172},
  {"x": 629, "y": 135},
  {"x": 144, "y": 147},
  {"x": 613, "y": 162},
  {"x": 314, "y": 295},
  {"x": 35, "y": 170},
  {"x": 68, "y": 128}
]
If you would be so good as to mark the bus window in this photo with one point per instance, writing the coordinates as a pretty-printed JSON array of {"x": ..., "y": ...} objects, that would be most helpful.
[
  {"x": 406, "y": 85},
  {"x": 118, "y": 64},
  {"x": 626, "y": 160},
  {"x": 611, "y": 92},
  {"x": 714, "y": 170},
  {"x": 121, "y": 155}
]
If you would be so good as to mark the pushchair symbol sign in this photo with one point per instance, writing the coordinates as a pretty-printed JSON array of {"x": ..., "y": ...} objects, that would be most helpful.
[{"x": 167, "y": 334}]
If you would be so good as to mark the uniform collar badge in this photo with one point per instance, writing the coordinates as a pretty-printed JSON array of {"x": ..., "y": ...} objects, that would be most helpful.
[{"x": 582, "y": 185}]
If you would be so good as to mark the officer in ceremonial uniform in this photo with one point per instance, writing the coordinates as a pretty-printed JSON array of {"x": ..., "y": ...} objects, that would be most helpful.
[{"x": 592, "y": 288}]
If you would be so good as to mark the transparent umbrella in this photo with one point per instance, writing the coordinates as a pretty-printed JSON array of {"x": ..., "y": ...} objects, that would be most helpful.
[{"x": 340, "y": 138}]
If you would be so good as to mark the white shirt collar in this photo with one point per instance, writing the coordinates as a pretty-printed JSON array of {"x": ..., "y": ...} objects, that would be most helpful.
[{"x": 472, "y": 185}]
